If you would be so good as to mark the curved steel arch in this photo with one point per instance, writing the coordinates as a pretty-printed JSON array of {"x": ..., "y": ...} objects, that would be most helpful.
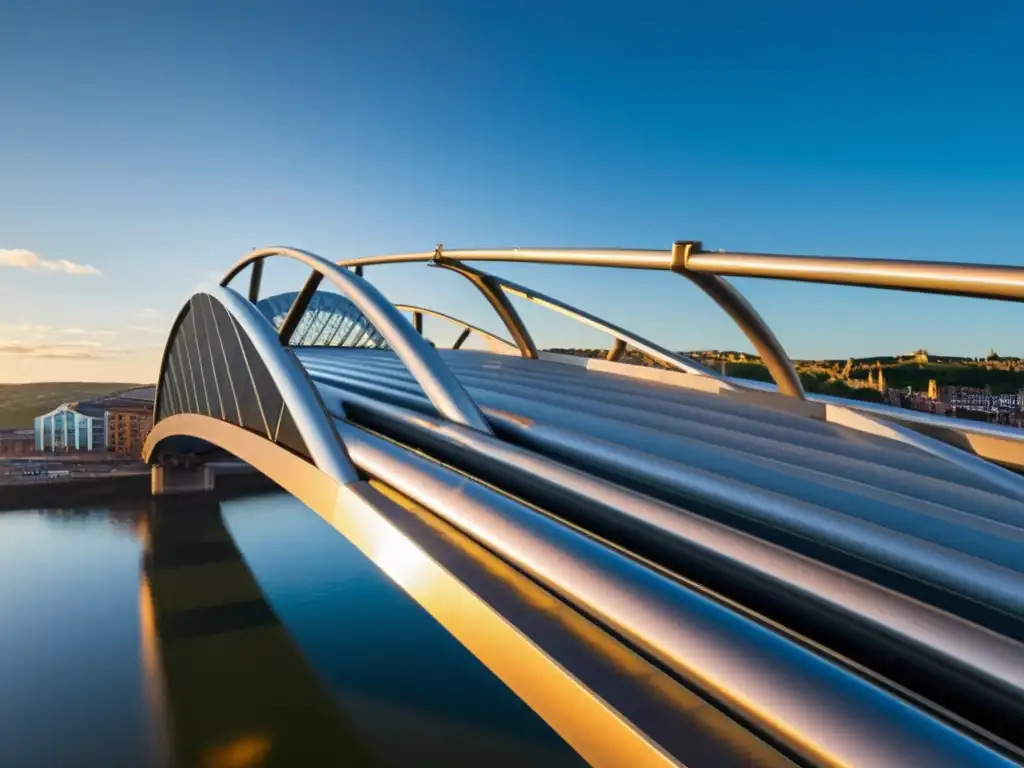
[
  {"x": 222, "y": 357},
  {"x": 467, "y": 327},
  {"x": 723, "y": 293},
  {"x": 659, "y": 353},
  {"x": 422, "y": 360}
]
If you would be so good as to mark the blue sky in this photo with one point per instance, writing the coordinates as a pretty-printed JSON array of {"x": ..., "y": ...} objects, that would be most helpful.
[{"x": 157, "y": 142}]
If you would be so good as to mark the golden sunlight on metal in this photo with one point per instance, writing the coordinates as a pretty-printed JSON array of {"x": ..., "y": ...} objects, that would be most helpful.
[
  {"x": 248, "y": 751},
  {"x": 599, "y": 733}
]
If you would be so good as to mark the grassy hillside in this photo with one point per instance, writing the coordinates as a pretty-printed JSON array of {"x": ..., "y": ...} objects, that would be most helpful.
[{"x": 20, "y": 403}]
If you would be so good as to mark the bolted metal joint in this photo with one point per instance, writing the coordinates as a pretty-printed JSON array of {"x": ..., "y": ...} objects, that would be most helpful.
[{"x": 681, "y": 252}]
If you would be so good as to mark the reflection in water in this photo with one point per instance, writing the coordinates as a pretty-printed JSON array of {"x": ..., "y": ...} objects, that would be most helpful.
[
  {"x": 70, "y": 692},
  {"x": 232, "y": 686},
  {"x": 137, "y": 635}
]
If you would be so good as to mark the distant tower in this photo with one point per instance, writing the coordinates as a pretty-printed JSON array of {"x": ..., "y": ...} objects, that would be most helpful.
[
  {"x": 881, "y": 379},
  {"x": 933, "y": 389},
  {"x": 847, "y": 369},
  {"x": 871, "y": 377}
]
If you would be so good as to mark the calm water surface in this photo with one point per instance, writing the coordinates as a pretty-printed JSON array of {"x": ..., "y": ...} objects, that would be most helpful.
[{"x": 237, "y": 633}]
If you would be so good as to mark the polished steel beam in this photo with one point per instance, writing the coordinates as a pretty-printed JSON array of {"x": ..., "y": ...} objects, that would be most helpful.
[
  {"x": 467, "y": 327},
  {"x": 421, "y": 359},
  {"x": 826, "y": 714},
  {"x": 950, "y": 278},
  {"x": 593, "y": 500},
  {"x": 491, "y": 288},
  {"x": 585, "y": 257},
  {"x": 983, "y": 280}
]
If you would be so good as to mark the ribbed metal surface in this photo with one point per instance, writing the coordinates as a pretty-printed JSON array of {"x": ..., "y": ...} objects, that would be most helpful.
[{"x": 876, "y": 500}]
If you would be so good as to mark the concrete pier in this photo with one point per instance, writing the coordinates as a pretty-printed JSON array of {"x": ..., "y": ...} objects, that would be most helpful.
[{"x": 168, "y": 480}]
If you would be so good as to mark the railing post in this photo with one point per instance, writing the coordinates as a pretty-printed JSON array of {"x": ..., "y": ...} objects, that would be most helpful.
[
  {"x": 298, "y": 308},
  {"x": 462, "y": 338},
  {"x": 745, "y": 316},
  {"x": 417, "y": 322},
  {"x": 497, "y": 298},
  {"x": 618, "y": 347},
  {"x": 255, "y": 280}
]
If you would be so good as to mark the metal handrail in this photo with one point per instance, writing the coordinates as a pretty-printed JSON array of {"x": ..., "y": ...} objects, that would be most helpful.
[
  {"x": 671, "y": 359},
  {"x": 950, "y": 278},
  {"x": 707, "y": 268},
  {"x": 422, "y": 360},
  {"x": 467, "y": 327}
]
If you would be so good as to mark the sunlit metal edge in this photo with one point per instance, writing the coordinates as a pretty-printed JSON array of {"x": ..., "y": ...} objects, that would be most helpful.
[
  {"x": 821, "y": 711},
  {"x": 420, "y": 358},
  {"x": 987, "y": 653},
  {"x": 952, "y": 278},
  {"x": 600, "y": 734},
  {"x": 325, "y": 447},
  {"x": 678, "y": 362},
  {"x": 456, "y": 321},
  {"x": 926, "y": 561}
]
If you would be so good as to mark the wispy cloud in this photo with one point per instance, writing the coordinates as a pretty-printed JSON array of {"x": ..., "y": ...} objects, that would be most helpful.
[
  {"x": 89, "y": 332},
  {"x": 67, "y": 351},
  {"x": 148, "y": 313},
  {"x": 19, "y": 258},
  {"x": 146, "y": 329}
]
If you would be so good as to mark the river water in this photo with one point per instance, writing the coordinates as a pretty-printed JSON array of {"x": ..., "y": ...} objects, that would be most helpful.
[{"x": 223, "y": 633}]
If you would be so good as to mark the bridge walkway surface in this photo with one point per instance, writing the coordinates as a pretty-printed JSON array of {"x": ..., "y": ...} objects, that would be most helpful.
[{"x": 667, "y": 566}]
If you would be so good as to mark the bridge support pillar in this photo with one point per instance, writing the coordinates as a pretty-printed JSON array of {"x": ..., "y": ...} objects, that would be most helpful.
[{"x": 168, "y": 480}]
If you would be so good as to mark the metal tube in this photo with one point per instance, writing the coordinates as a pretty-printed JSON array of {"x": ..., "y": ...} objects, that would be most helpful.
[
  {"x": 421, "y": 359},
  {"x": 490, "y": 287},
  {"x": 886, "y": 487},
  {"x": 820, "y": 711},
  {"x": 779, "y": 364},
  {"x": 549, "y": 430},
  {"x": 456, "y": 321},
  {"x": 956, "y": 279},
  {"x": 255, "y": 280},
  {"x": 635, "y": 258},
  {"x": 995, "y": 658},
  {"x": 461, "y": 338},
  {"x": 989, "y": 281},
  {"x": 298, "y": 307}
]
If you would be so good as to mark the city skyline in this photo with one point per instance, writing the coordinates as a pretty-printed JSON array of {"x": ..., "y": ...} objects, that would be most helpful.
[{"x": 177, "y": 142}]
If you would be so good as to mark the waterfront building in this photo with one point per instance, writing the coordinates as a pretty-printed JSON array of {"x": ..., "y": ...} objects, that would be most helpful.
[
  {"x": 17, "y": 442},
  {"x": 128, "y": 425},
  {"x": 71, "y": 427},
  {"x": 117, "y": 422}
]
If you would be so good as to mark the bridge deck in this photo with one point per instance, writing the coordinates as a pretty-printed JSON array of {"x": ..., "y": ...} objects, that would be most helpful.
[{"x": 812, "y": 569}]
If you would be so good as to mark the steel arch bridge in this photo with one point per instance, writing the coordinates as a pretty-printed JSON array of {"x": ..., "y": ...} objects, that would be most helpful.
[{"x": 840, "y": 583}]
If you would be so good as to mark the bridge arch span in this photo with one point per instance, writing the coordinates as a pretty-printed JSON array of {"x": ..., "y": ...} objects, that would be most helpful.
[{"x": 223, "y": 361}]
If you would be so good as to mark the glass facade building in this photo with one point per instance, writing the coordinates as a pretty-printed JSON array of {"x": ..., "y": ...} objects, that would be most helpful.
[{"x": 67, "y": 428}]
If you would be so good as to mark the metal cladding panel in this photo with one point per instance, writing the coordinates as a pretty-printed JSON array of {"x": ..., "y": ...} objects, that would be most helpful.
[
  {"x": 213, "y": 369},
  {"x": 219, "y": 327},
  {"x": 268, "y": 397}
]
